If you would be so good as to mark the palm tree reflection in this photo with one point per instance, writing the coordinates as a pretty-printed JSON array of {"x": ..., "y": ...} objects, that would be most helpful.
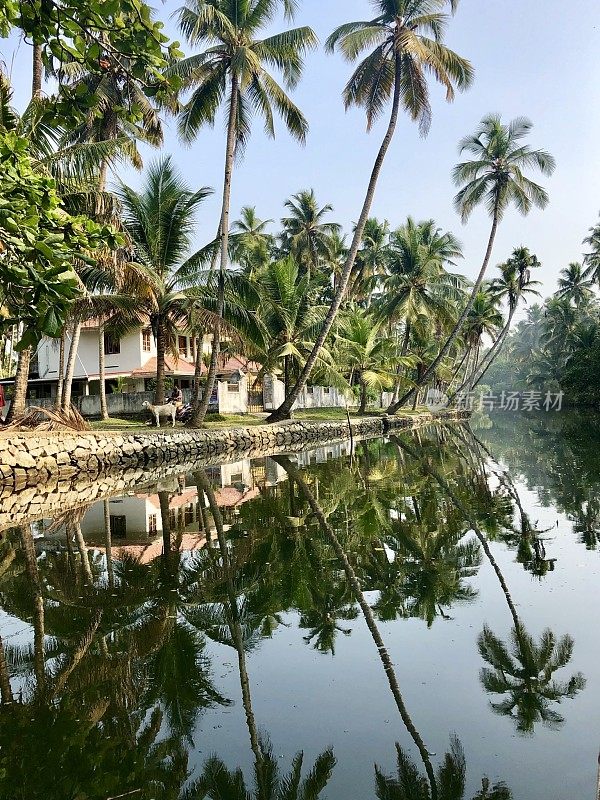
[
  {"x": 524, "y": 674},
  {"x": 409, "y": 784}
]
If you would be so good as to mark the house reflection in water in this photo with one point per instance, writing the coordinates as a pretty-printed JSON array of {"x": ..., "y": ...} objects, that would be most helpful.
[{"x": 136, "y": 525}]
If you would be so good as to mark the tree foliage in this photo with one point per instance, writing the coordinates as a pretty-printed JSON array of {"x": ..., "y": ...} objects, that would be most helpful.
[{"x": 39, "y": 244}]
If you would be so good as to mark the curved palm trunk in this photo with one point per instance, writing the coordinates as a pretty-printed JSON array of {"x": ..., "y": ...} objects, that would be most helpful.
[
  {"x": 37, "y": 68},
  {"x": 76, "y": 657},
  {"x": 284, "y": 410},
  {"x": 460, "y": 322},
  {"x": 33, "y": 576},
  {"x": 159, "y": 394},
  {"x": 363, "y": 397},
  {"x": 165, "y": 518},
  {"x": 427, "y": 470},
  {"x": 353, "y": 582},
  {"x": 66, "y": 404},
  {"x": 489, "y": 358},
  {"x": 6, "y": 696},
  {"x": 108, "y": 546},
  {"x": 102, "y": 373},
  {"x": 474, "y": 369},
  {"x": 235, "y": 626},
  {"x": 197, "y": 369},
  {"x": 465, "y": 358},
  {"x": 17, "y": 404},
  {"x": 61, "y": 371},
  {"x": 201, "y": 411},
  {"x": 83, "y": 554}
]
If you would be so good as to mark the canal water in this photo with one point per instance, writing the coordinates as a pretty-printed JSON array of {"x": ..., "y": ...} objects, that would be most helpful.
[{"x": 416, "y": 620}]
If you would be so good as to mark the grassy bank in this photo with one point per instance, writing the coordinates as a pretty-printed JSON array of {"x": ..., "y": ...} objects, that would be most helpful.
[{"x": 220, "y": 421}]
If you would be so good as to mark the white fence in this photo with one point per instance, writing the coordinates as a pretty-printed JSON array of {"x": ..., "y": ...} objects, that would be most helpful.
[
  {"x": 229, "y": 398},
  {"x": 310, "y": 396}
]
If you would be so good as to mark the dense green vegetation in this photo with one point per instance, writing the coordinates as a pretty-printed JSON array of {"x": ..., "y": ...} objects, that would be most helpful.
[
  {"x": 382, "y": 308},
  {"x": 556, "y": 346}
]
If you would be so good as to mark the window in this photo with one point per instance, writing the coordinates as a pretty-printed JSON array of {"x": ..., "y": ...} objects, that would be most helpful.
[
  {"x": 310, "y": 389},
  {"x": 112, "y": 345},
  {"x": 189, "y": 514},
  {"x": 326, "y": 390},
  {"x": 233, "y": 387},
  {"x": 118, "y": 526},
  {"x": 146, "y": 340},
  {"x": 183, "y": 348},
  {"x": 152, "y": 524},
  {"x": 237, "y": 478}
]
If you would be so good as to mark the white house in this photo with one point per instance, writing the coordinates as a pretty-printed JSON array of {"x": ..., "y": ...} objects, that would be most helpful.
[{"x": 131, "y": 357}]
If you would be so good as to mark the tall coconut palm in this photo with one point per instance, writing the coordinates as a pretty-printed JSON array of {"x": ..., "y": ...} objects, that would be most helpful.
[
  {"x": 368, "y": 356},
  {"x": 371, "y": 260},
  {"x": 514, "y": 284},
  {"x": 484, "y": 319},
  {"x": 306, "y": 235},
  {"x": 495, "y": 178},
  {"x": 250, "y": 242},
  {"x": 407, "y": 36},
  {"x": 290, "y": 315},
  {"x": 233, "y": 70},
  {"x": 418, "y": 288},
  {"x": 159, "y": 220},
  {"x": 575, "y": 285}
]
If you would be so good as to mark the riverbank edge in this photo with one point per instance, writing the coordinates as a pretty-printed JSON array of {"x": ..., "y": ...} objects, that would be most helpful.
[{"x": 31, "y": 459}]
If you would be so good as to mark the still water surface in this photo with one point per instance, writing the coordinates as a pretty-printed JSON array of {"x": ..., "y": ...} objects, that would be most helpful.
[{"x": 420, "y": 621}]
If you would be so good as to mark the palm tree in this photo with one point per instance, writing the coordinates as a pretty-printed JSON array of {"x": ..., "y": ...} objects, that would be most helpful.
[
  {"x": 408, "y": 39},
  {"x": 484, "y": 319},
  {"x": 371, "y": 260},
  {"x": 356, "y": 589},
  {"x": 369, "y": 357},
  {"x": 418, "y": 288},
  {"x": 513, "y": 284},
  {"x": 159, "y": 221},
  {"x": 559, "y": 326},
  {"x": 250, "y": 242},
  {"x": 494, "y": 177},
  {"x": 306, "y": 236},
  {"x": 433, "y": 564},
  {"x": 525, "y": 674},
  {"x": 290, "y": 315},
  {"x": 233, "y": 70},
  {"x": 575, "y": 285},
  {"x": 592, "y": 259}
]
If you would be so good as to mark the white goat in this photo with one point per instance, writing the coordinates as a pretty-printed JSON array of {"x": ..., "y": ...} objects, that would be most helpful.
[{"x": 168, "y": 410}]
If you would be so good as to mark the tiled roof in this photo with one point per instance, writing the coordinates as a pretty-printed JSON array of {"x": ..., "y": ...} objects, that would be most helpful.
[
  {"x": 235, "y": 364},
  {"x": 172, "y": 367}
]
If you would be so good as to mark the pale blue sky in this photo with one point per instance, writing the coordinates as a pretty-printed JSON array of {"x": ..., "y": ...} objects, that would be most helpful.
[{"x": 537, "y": 58}]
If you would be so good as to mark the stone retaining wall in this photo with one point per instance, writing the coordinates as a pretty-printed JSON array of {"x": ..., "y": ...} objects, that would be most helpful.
[{"x": 70, "y": 469}]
